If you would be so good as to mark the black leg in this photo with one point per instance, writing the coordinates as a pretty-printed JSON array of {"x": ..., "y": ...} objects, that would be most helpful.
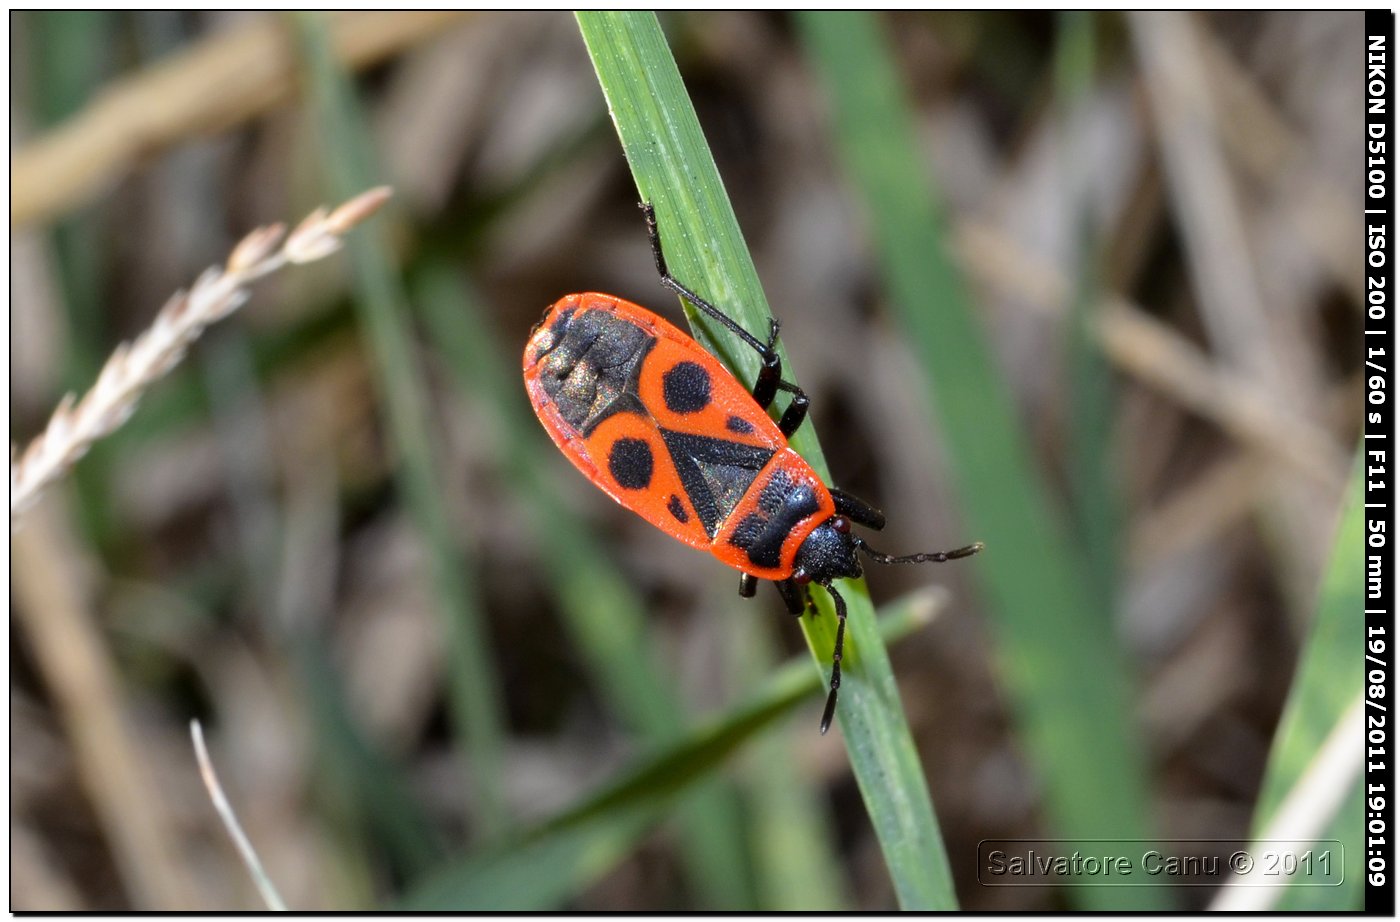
[
  {"x": 748, "y": 585},
  {"x": 857, "y": 510},
  {"x": 795, "y": 413},
  {"x": 672, "y": 283},
  {"x": 793, "y": 597},
  {"x": 770, "y": 376},
  {"x": 830, "y": 710}
]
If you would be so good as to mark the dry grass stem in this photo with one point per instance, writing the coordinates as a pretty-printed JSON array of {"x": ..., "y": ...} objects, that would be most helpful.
[
  {"x": 245, "y": 848},
  {"x": 1217, "y": 248},
  {"x": 1197, "y": 512},
  {"x": 1266, "y": 145},
  {"x": 226, "y": 79},
  {"x": 53, "y": 612},
  {"x": 77, "y": 424},
  {"x": 1157, "y": 355},
  {"x": 1161, "y": 358},
  {"x": 37, "y": 882}
]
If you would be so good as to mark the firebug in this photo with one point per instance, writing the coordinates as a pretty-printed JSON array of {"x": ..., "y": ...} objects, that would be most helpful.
[{"x": 663, "y": 428}]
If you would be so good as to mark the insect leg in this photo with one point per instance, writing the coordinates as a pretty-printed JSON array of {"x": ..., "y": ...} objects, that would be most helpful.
[
  {"x": 748, "y": 584},
  {"x": 671, "y": 282},
  {"x": 830, "y": 710},
  {"x": 857, "y": 509},
  {"x": 770, "y": 376},
  {"x": 770, "y": 381},
  {"x": 792, "y": 596},
  {"x": 796, "y": 411}
]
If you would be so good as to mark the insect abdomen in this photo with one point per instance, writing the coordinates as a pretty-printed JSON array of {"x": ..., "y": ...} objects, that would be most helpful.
[
  {"x": 588, "y": 362},
  {"x": 661, "y": 426}
]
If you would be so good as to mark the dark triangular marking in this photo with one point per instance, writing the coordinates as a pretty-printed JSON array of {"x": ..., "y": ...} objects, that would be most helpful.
[{"x": 716, "y": 473}]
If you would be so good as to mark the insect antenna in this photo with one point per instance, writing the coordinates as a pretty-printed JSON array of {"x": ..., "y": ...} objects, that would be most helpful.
[
  {"x": 931, "y": 557},
  {"x": 830, "y": 710}
]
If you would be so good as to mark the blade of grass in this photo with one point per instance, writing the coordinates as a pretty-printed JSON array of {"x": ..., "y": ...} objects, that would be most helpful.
[
  {"x": 67, "y": 59},
  {"x": 356, "y": 787},
  {"x": 674, "y": 170},
  {"x": 360, "y": 786},
  {"x": 794, "y": 852},
  {"x": 554, "y": 860},
  {"x": 1066, "y": 676},
  {"x": 266, "y": 888},
  {"x": 474, "y": 692},
  {"x": 536, "y": 875},
  {"x": 1326, "y": 683},
  {"x": 1310, "y": 810},
  {"x": 604, "y": 615},
  {"x": 1327, "y": 677},
  {"x": 1097, "y": 512},
  {"x": 1349, "y": 896}
]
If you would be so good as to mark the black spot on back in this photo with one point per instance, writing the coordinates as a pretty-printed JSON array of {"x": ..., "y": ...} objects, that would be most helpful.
[
  {"x": 630, "y": 462},
  {"x": 686, "y": 388},
  {"x": 738, "y": 424},
  {"x": 677, "y": 509}
]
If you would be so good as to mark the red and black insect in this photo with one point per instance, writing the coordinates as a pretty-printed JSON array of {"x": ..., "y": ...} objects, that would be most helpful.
[{"x": 663, "y": 428}]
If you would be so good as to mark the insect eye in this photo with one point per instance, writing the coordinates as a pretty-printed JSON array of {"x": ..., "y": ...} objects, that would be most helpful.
[
  {"x": 841, "y": 524},
  {"x": 801, "y": 577}
]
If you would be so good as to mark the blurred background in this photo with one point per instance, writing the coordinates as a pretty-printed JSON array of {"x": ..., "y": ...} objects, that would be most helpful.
[{"x": 1152, "y": 220}]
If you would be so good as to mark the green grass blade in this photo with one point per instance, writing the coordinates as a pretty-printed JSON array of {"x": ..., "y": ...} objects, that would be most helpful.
[
  {"x": 556, "y": 859},
  {"x": 535, "y": 875},
  {"x": 1349, "y": 896},
  {"x": 362, "y": 787},
  {"x": 1098, "y": 514},
  {"x": 794, "y": 845},
  {"x": 68, "y": 57},
  {"x": 1327, "y": 682},
  {"x": 604, "y": 615},
  {"x": 674, "y": 170},
  {"x": 474, "y": 696},
  {"x": 1067, "y": 678},
  {"x": 1327, "y": 679}
]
